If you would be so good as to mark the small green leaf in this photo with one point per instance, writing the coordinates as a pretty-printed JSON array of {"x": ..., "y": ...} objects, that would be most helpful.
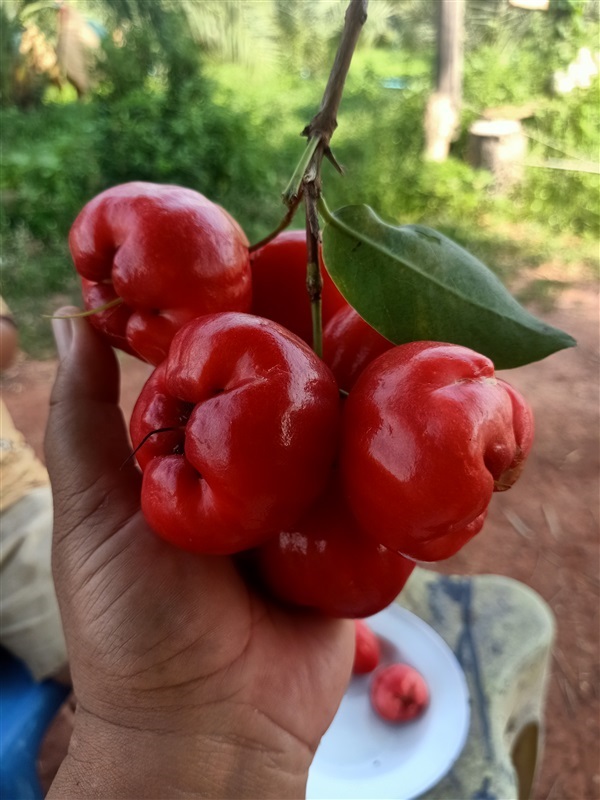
[{"x": 412, "y": 283}]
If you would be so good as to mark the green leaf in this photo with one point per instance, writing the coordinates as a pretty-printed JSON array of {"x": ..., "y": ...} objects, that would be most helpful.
[{"x": 412, "y": 283}]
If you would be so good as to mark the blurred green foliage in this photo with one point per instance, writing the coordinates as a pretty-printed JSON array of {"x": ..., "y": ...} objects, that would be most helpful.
[
  {"x": 565, "y": 199},
  {"x": 165, "y": 110}
]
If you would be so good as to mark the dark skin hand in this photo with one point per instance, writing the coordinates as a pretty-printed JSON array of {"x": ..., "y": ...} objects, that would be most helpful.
[{"x": 188, "y": 683}]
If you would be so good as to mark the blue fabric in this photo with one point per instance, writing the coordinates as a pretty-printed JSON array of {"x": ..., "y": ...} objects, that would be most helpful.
[{"x": 26, "y": 710}]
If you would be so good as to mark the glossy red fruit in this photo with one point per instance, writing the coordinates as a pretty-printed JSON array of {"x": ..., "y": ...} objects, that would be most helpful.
[
  {"x": 429, "y": 433},
  {"x": 168, "y": 253},
  {"x": 399, "y": 693},
  {"x": 325, "y": 562},
  {"x": 349, "y": 345},
  {"x": 367, "y": 650},
  {"x": 253, "y": 419},
  {"x": 279, "y": 285}
]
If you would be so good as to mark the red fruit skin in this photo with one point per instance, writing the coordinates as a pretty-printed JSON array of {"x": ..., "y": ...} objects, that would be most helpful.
[
  {"x": 399, "y": 693},
  {"x": 428, "y": 434},
  {"x": 257, "y": 422},
  {"x": 326, "y": 563},
  {"x": 279, "y": 285},
  {"x": 349, "y": 345},
  {"x": 169, "y": 253},
  {"x": 367, "y": 651},
  {"x": 524, "y": 433}
]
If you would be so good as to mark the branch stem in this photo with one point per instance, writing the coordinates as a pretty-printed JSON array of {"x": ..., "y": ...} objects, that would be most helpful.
[
  {"x": 293, "y": 191},
  {"x": 314, "y": 279},
  {"x": 324, "y": 123},
  {"x": 281, "y": 227},
  {"x": 319, "y": 132},
  {"x": 111, "y": 304}
]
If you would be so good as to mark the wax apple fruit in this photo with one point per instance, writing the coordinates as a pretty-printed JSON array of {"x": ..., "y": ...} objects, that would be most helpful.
[
  {"x": 399, "y": 693},
  {"x": 279, "y": 285},
  {"x": 349, "y": 346},
  {"x": 168, "y": 253},
  {"x": 252, "y": 417},
  {"x": 367, "y": 650},
  {"x": 327, "y": 563},
  {"x": 428, "y": 434}
]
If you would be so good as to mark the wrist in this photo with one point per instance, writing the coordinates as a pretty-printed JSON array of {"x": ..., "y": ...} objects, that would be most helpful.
[{"x": 106, "y": 760}]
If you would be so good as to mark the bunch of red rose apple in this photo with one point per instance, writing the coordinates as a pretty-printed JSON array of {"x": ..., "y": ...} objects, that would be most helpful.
[{"x": 331, "y": 476}]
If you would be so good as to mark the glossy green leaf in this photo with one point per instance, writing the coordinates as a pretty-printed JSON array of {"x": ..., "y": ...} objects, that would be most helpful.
[{"x": 412, "y": 283}]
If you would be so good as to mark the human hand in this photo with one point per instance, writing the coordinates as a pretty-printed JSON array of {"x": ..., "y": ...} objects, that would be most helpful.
[{"x": 188, "y": 682}]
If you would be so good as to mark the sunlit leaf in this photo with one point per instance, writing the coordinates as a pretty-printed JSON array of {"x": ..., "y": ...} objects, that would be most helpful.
[{"x": 412, "y": 283}]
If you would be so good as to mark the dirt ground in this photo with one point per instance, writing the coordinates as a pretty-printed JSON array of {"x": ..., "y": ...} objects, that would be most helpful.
[{"x": 543, "y": 532}]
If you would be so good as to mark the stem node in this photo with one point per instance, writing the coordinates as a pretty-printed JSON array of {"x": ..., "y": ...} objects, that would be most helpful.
[{"x": 308, "y": 173}]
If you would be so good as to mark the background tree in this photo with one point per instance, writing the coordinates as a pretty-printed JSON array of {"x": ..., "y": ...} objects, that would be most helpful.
[{"x": 444, "y": 105}]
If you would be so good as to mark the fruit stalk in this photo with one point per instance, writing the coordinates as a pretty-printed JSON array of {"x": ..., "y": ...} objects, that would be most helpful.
[{"x": 307, "y": 182}]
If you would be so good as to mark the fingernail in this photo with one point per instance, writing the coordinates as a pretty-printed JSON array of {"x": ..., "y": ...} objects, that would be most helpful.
[{"x": 62, "y": 328}]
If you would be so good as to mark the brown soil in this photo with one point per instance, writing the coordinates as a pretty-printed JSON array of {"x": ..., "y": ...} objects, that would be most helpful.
[{"x": 543, "y": 532}]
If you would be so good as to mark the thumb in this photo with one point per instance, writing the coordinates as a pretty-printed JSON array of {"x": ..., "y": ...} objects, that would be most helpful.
[{"x": 86, "y": 441}]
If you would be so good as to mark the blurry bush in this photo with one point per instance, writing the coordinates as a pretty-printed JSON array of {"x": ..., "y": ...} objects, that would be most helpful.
[{"x": 565, "y": 130}]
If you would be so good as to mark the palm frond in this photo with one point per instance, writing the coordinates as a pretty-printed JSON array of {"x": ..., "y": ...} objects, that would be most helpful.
[{"x": 236, "y": 31}]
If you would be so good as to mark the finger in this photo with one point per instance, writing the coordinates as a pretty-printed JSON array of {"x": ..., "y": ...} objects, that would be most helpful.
[{"x": 86, "y": 441}]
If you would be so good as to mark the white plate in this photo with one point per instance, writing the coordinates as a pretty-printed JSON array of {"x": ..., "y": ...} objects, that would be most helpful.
[{"x": 362, "y": 756}]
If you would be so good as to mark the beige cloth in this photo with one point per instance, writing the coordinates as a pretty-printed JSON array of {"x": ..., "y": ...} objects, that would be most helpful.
[
  {"x": 20, "y": 470},
  {"x": 30, "y": 623}
]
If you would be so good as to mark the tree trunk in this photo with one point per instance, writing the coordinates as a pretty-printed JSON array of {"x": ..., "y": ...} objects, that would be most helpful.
[{"x": 443, "y": 107}]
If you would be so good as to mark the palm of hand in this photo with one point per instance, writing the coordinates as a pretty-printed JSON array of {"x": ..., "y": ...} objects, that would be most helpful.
[{"x": 155, "y": 619}]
